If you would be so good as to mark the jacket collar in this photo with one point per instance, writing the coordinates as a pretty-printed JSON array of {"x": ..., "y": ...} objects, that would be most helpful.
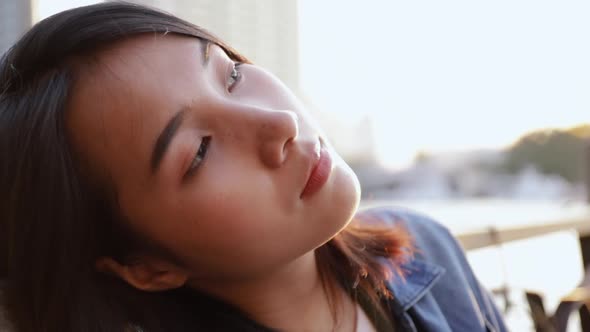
[{"x": 419, "y": 277}]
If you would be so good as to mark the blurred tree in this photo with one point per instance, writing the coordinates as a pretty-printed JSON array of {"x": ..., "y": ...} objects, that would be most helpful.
[
  {"x": 559, "y": 152},
  {"x": 582, "y": 131},
  {"x": 421, "y": 157}
]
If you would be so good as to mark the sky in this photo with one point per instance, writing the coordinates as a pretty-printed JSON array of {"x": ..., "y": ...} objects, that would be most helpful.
[
  {"x": 441, "y": 75},
  {"x": 448, "y": 75}
]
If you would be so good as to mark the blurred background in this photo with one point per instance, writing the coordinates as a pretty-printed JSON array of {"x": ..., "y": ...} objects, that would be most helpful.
[{"x": 475, "y": 113}]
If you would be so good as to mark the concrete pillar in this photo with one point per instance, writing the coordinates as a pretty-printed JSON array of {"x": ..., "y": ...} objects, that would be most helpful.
[{"x": 15, "y": 19}]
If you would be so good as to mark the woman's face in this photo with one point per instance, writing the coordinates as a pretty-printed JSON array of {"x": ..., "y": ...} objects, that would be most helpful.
[{"x": 209, "y": 161}]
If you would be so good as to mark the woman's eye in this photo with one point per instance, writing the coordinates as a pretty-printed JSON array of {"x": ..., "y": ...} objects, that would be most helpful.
[
  {"x": 234, "y": 76},
  {"x": 199, "y": 156}
]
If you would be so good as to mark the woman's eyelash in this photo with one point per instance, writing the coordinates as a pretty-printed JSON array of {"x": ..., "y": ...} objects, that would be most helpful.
[
  {"x": 234, "y": 76},
  {"x": 199, "y": 156}
]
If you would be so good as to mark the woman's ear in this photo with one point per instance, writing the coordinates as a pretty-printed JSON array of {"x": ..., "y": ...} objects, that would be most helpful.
[{"x": 147, "y": 273}]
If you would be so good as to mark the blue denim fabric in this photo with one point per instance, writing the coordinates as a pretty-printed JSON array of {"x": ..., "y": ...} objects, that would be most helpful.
[{"x": 439, "y": 292}]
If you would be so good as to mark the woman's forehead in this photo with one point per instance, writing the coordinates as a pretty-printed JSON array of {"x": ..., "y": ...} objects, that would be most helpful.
[{"x": 145, "y": 54}]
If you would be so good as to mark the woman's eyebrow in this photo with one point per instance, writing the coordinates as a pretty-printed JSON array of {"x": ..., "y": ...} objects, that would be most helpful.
[
  {"x": 164, "y": 139},
  {"x": 174, "y": 123}
]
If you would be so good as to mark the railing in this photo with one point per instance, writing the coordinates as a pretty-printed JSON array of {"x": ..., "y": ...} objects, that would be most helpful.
[
  {"x": 577, "y": 300},
  {"x": 492, "y": 236}
]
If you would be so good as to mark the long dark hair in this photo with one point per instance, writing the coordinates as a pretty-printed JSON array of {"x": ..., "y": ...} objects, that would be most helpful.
[{"x": 56, "y": 218}]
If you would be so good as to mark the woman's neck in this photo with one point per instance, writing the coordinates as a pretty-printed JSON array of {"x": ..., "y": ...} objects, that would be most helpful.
[{"x": 290, "y": 299}]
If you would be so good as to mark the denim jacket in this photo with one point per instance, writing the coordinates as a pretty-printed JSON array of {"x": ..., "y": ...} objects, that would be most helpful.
[{"x": 439, "y": 292}]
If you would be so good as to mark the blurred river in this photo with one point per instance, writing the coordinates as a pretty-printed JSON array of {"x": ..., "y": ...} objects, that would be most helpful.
[{"x": 465, "y": 215}]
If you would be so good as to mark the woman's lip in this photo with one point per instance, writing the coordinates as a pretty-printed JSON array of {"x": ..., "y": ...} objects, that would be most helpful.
[{"x": 319, "y": 173}]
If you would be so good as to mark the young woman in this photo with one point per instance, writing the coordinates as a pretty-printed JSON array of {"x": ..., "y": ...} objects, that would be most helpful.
[{"x": 153, "y": 179}]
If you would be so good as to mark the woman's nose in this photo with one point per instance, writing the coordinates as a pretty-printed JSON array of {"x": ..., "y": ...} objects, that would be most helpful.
[
  {"x": 274, "y": 133},
  {"x": 259, "y": 131}
]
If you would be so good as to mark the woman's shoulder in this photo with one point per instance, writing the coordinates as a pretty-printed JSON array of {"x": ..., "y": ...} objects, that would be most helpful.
[
  {"x": 431, "y": 240},
  {"x": 439, "y": 269},
  {"x": 421, "y": 227}
]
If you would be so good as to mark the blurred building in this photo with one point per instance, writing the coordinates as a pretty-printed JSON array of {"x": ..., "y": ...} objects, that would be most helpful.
[
  {"x": 15, "y": 19},
  {"x": 265, "y": 31}
]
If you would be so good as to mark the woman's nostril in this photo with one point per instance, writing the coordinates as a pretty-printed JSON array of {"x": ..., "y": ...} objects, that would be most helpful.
[
  {"x": 277, "y": 135},
  {"x": 287, "y": 145}
]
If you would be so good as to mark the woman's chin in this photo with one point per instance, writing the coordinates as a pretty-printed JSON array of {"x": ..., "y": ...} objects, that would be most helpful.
[{"x": 348, "y": 190}]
